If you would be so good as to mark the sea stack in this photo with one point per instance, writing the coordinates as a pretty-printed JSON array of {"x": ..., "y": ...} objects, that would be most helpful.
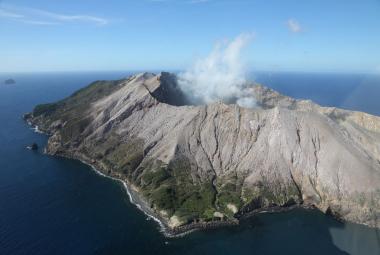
[
  {"x": 9, "y": 82},
  {"x": 32, "y": 147}
]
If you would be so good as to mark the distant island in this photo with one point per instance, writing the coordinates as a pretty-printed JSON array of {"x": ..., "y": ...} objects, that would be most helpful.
[
  {"x": 201, "y": 166},
  {"x": 9, "y": 81}
]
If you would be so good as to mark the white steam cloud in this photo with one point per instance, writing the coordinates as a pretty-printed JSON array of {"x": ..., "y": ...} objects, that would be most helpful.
[{"x": 219, "y": 76}]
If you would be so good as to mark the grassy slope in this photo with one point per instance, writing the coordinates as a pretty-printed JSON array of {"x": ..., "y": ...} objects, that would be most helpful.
[{"x": 73, "y": 108}]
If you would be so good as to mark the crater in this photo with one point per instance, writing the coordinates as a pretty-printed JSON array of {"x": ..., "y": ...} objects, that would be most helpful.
[{"x": 169, "y": 92}]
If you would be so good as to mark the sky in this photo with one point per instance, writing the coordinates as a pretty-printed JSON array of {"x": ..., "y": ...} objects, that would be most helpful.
[{"x": 94, "y": 35}]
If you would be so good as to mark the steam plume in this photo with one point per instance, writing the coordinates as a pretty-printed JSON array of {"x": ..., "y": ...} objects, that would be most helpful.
[{"x": 219, "y": 76}]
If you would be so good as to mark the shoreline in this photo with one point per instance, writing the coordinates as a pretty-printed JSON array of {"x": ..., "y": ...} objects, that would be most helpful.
[
  {"x": 137, "y": 201},
  {"x": 186, "y": 229},
  {"x": 164, "y": 228},
  {"x": 132, "y": 195}
]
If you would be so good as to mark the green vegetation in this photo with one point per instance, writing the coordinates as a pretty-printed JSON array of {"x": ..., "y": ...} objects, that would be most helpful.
[
  {"x": 74, "y": 128},
  {"x": 154, "y": 179},
  {"x": 74, "y": 109},
  {"x": 126, "y": 157},
  {"x": 195, "y": 201},
  {"x": 272, "y": 193},
  {"x": 79, "y": 99},
  {"x": 172, "y": 188},
  {"x": 46, "y": 109},
  {"x": 167, "y": 187},
  {"x": 229, "y": 193}
]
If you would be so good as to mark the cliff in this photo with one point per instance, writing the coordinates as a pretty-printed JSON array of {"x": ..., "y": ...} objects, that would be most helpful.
[{"x": 207, "y": 163}]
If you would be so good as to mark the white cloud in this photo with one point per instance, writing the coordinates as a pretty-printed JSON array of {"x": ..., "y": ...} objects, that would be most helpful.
[
  {"x": 219, "y": 76},
  {"x": 7, "y": 14},
  {"x": 294, "y": 26},
  {"x": 42, "y": 17},
  {"x": 38, "y": 22},
  {"x": 71, "y": 18}
]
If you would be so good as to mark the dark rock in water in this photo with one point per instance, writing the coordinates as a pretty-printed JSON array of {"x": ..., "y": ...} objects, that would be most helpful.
[
  {"x": 27, "y": 116},
  {"x": 10, "y": 81},
  {"x": 33, "y": 147}
]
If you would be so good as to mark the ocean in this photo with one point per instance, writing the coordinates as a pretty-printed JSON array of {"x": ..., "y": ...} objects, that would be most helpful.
[{"x": 51, "y": 205}]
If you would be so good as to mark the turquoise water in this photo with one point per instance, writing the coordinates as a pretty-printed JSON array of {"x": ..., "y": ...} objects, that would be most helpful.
[{"x": 51, "y": 205}]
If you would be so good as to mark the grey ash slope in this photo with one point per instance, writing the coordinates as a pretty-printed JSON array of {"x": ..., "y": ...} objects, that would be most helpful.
[{"x": 202, "y": 163}]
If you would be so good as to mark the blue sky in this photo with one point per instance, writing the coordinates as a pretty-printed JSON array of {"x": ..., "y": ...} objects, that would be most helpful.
[{"x": 313, "y": 35}]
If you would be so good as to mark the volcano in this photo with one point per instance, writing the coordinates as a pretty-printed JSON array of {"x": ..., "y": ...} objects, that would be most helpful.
[{"x": 198, "y": 165}]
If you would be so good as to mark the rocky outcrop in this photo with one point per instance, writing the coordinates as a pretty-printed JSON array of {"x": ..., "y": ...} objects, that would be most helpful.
[
  {"x": 9, "y": 82},
  {"x": 203, "y": 163},
  {"x": 33, "y": 147}
]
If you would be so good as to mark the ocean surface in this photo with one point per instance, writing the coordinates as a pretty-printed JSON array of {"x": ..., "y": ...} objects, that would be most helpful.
[{"x": 50, "y": 205}]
